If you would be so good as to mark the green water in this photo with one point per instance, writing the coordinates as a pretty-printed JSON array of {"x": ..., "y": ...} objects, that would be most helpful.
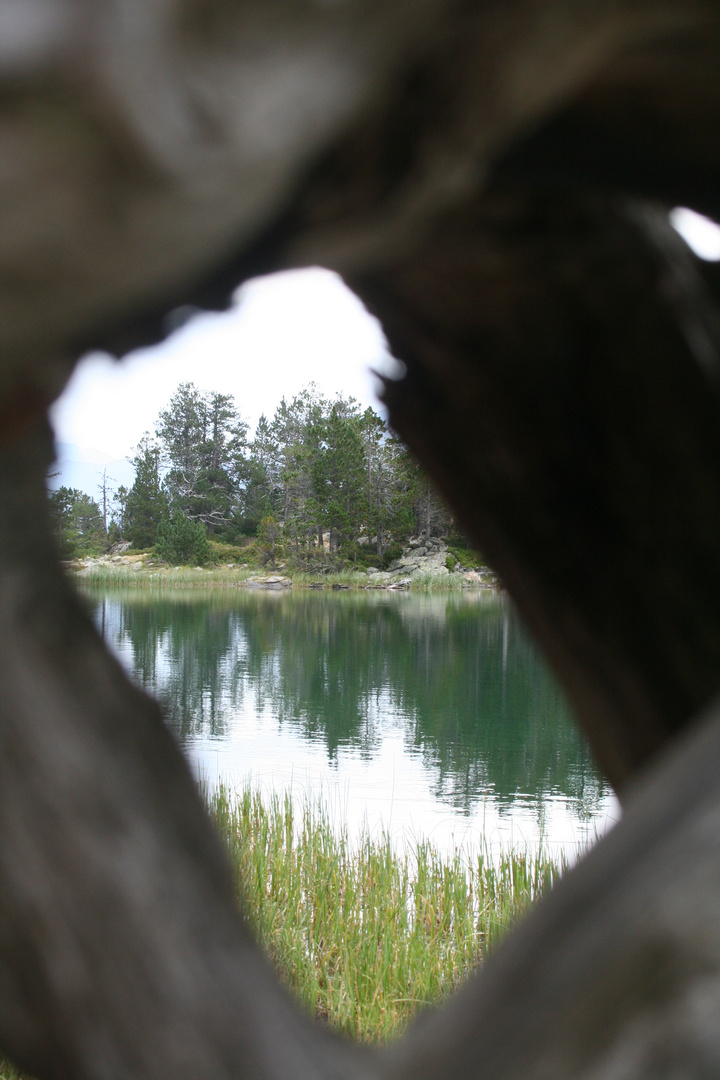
[{"x": 428, "y": 714}]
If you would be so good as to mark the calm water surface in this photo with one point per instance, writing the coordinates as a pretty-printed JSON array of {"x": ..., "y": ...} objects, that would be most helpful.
[{"x": 431, "y": 716}]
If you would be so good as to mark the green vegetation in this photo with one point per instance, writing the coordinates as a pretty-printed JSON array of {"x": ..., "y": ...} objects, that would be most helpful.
[
  {"x": 365, "y": 937},
  {"x": 152, "y": 575},
  {"x": 145, "y": 505},
  {"x": 462, "y": 556},
  {"x": 77, "y": 522},
  {"x": 9, "y": 1072},
  {"x": 322, "y": 485},
  {"x": 181, "y": 540}
]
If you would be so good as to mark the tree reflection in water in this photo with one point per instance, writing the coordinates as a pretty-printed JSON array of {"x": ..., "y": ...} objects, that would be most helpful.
[{"x": 457, "y": 676}]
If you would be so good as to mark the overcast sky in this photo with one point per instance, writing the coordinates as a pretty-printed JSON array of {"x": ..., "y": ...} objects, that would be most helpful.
[{"x": 283, "y": 332}]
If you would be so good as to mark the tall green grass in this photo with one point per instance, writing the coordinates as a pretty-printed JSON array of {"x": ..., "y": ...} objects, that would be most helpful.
[
  {"x": 363, "y": 936},
  {"x": 9, "y": 1072},
  {"x": 351, "y": 579},
  {"x": 184, "y": 577},
  {"x": 166, "y": 577},
  {"x": 428, "y": 582}
]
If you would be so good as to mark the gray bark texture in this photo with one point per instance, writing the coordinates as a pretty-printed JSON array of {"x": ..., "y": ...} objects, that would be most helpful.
[{"x": 493, "y": 179}]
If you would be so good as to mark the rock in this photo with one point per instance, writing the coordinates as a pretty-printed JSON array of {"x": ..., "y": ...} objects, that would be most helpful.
[
  {"x": 422, "y": 558},
  {"x": 274, "y": 582}
]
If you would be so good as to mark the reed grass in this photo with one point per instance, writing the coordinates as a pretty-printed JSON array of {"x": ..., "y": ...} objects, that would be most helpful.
[
  {"x": 351, "y": 579},
  {"x": 9, "y": 1072},
  {"x": 362, "y": 935},
  {"x": 166, "y": 577},
  {"x": 189, "y": 577},
  {"x": 429, "y": 582}
]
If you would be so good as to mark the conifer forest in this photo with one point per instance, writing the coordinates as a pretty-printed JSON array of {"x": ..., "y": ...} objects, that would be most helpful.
[{"x": 321, "y": 480}]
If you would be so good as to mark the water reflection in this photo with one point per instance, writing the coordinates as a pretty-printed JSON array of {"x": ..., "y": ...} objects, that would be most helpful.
[{"x": 451, "y": 683}]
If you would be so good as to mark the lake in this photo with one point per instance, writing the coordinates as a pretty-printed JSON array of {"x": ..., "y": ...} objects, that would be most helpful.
[{"x": 427, "y": 715}]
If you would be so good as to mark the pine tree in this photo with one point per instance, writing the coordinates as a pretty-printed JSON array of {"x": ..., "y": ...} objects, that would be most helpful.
[
  {"x": 339, "y": 474},
  {"x": 77, "y": 523},
  {"x": 261, "y": 489},
  {"x": 389, "y": 483},
  {"x": 204, "y": 443},
  {"x": 269, "y": 539},
  {"x": 295, "y": 431},
  {"x": 182, "y": 541},
  {"x": 146, "y": 503}
]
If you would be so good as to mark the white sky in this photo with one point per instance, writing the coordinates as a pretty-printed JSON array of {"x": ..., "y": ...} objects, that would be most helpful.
[
  {"x": 702, "y": 235},
  {"x": 283, "y": 332}
]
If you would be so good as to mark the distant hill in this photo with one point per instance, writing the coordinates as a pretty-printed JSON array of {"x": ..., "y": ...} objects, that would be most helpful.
[{"x": 76, "y": 467}]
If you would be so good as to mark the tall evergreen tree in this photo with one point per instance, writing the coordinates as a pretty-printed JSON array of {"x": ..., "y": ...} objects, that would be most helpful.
[
  {"x": 261, "y": 490},
  {"x": 78, "y": 523},
  {"x": 339, "y": 474},
  {"x": 146, "y": 504},
  {"x": 204, "y": 442},
  {"x": 389, "y": 483},
  {"x": 295, "y": 430}
]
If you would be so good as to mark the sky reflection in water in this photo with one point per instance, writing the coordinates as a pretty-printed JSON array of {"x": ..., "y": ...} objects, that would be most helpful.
[{"x": 432, "y": 716}]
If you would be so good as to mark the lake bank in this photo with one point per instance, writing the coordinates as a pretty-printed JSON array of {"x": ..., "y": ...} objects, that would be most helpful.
[
  {"x": 142, "y": 571},
  {"x": 363, "y": 936}
]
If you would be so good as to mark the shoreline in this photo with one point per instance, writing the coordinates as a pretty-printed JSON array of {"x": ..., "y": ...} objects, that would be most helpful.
[{"x": 134, "y": 572}]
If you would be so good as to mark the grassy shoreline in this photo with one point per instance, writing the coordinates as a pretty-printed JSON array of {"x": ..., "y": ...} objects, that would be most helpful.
[
  {"x": 362, "y": 936},
  {"x": 365, "y": 937},
  {"x": 189, "y": 577}
]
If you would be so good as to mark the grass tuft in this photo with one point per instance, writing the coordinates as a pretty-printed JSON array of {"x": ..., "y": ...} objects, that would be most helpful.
[
  {"x": 158, "y": 576},
  {"x": 364, "y": 937}
]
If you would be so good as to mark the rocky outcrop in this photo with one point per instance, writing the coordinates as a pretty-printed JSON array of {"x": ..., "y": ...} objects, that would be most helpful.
[
  {"x": 422, "y": 558},
  {"x": 128, "y": 562},
  {"x": 273, "y": 581}
]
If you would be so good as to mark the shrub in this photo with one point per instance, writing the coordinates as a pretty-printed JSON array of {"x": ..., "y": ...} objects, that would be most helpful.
[
  {"x": 392, "y": 552},
  {"x": 270, "y": 541},
  {"x": 465, "y": 558},
  {"x": 182, "y": 541},
  {"x": 227, "y": 553},
  {"x": 77, "y": 523}
]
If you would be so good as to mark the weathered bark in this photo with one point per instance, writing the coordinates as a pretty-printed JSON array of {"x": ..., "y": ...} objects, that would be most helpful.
[
  {"x": 617, "y": 974},
  {"x": 561, "y": 387},
  {"x": 562, "y": 390},
  {"x": 122, "y": 952}
]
